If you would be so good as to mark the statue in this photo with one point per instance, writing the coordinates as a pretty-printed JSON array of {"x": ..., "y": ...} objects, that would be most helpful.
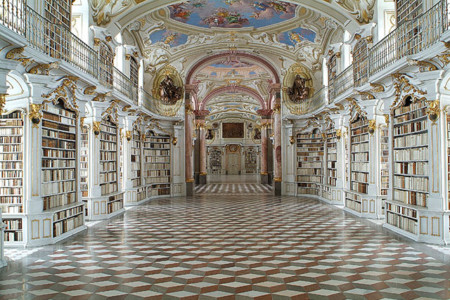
[
  {"x": 299, "y": 91},
  {"x": 168, "y": 92}
]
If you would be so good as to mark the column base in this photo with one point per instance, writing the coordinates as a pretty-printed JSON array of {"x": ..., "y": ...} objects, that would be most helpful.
[
  {"x": 190, "y": 188},
  {"x": 202, "y": 179},
  {"x": 264, "y": 178},
  {"x": 277, "y": 188}
]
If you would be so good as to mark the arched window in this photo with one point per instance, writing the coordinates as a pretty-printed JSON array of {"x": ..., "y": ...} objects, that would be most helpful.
[{"x": 361, "y": 62}]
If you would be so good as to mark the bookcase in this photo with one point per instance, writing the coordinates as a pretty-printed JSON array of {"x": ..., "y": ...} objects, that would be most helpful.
[
  {"x": 310, "y": 151},
  {"x": 410, "y": 165},
  {"x": 215, "y": 160},
  {"x": 59, "y": 180},
  {"x": 84, "y": 164},
  {"x": 136, "y": 159},
  {"x": 108, "y": 157},
  {"x": 2, "y": 247},
  {"x": 329, "y": 190},
  {"x": 11, "y": 180},
  {"x": 359, "y": 163},
  {"x": 157, "y": 164},
  {"x": 384, "y": 166}
]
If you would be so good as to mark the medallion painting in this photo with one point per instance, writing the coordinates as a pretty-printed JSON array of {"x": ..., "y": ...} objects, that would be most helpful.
[
  {"x": 297, "y": 36},
  {"x": 232, "y": 13},
  {"x": 168, "y": 37}
]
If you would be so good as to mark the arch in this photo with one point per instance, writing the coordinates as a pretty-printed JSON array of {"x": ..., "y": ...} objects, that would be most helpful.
[
  {"x": 232, "y": 89},
  {"x": 206, "y": 60}
]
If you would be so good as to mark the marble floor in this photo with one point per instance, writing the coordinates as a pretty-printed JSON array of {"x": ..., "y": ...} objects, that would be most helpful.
[
  {"x": 229, "y": 247},
  {"x": 233, "y": 188}
]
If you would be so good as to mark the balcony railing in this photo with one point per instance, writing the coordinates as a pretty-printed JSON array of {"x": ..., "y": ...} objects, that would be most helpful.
[
  {"x": 58, "y": 42},
  {"x": 409, "y": 38}
]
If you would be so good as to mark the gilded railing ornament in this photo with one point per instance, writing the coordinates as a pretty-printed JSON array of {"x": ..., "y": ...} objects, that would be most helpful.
[
  {"x": 35, "y": 114},
  {"x": 96, "y": 127}
]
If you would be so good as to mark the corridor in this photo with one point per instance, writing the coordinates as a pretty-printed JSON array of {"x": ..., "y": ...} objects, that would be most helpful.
[{"x": 228, "y": 247}]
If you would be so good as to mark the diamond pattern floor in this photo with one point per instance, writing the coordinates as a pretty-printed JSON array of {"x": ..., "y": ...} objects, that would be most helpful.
[
  {"x": 228, "y": 247},
  {"x": 233, "y": 188}
]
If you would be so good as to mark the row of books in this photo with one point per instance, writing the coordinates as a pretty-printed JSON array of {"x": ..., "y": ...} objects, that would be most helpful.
[
  {"x": 108, "y": 130},
  {"x": 58, "y": 174},
  {"x": 67, "y": 225},
  {"x": 46, "y": 124},
  {"x": 359, "y": 187},
  {"x": 58, "y": 163},
  {"x": 156, "y": 146},
  {"x": 15, "y": 236},
  {"x": 411, "y": 197},
  {"x": 7, "y": 183},
  {"x": 59, "y": 119},
  {"x": 353, "y": 205},
  {"x": 11, "y": 191},
  {"x": 108, "y": 156},
  {"x": 52, "y": 153},
  {"x": 151, "y": 180},
  {"x": 412, "y": 111},
  {"x": 58, "y": 200},
  {"x": 410, "y": 127},
  {"x": 361, "y": 177},
  {"x": 107, "y": 137},
  {"x": 157, "y": 139},
  {"x": 13, "y": 224},
  {"x": 148, "y": 152},
  {"x": 359, "y": 167},
  {"x": 332, "y": 156},
  {"x": 108, "y": 166},
  {"x": 309, "y": 178},
  {"x": 108, "y": 177},
  {"x": 7, "y": 140},
  {"x": 402, "y": 222},
  {"x": 51, "y": 143},
  {"x": 157, "y": 173},
  {"x": 411, "y": 168},
  {"x": 157, "y": 159},
  {"x": 67, "y": 213},
  {"x": 360, "y": 138},
  {"x": 157, "y": 166},
  {"x": 360, "y": 147},
  {"x": 401, "y": 210},
  {"x": 309, "y": 158},
  {"x": 411, "y": 183},
  {"x": 332, "y": 164},
  {"x": 52, "y": 188},
  {"x": 58, "y": 111},
  {"x": 109, "y": 188},
  {"x": 11, "y": 123},
  {"x": 11, "y": 131},
  {"x": 11, "y": 156},
  {"x": 360, "y": 157},
  {"x": 46, "y": 133},
  {"x": 309, "y": 171},
  {"x": 317, "y": 164},
  {"x": 9, "y": 209},
  {"x": 411, "y": 154},
  {"x": 411, "y": 140}
]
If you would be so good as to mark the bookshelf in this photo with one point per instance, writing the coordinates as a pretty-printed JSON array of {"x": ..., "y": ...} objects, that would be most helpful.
[
  {"x": 108, "y": 157},
  {"x": 59, "y": 12},
  {"x": 84, "y": 164},
  {"x": 2, "y": 243},
  {"x": 384, "y": 166},
  {"x": 136, "y": 159},
  {"x": 310, "y": 148},
  {"x": 408, "y": 10},
  {"x": 410, "y": 165},
  {"x": 359, "y": 163},
  {"x": 157, "y": 164},
  {"x": 11, "y": 180},
  {"x": 59, "y": 156},
  {"x": 215, "y": 160},
  {"x": 331, "y": 157}
]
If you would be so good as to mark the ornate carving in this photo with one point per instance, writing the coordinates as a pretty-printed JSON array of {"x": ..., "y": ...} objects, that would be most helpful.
[
  {"x": 104, "y": 10},
  {"x": 299, "y": 91},
  {"x": 82, "y": 121},
  {"x": 168, "y": 92},
  {"x": 2, "y": 102},
  {"x": 129, "y": 135},
  {"x": 423, "y": 65},
  {"x": 402, "y": 85},
  {"x": 362, "y": 9},
  {"x": 61, "y": 92},
  {"x": 433, "y": 110},
  {"x": 43, "y": 69},
  {"x": 368, "y": 95},
  {"x": 126, "y": 108},
  {"x": 35, "y": 114},
  {"x": 16, "y": 54},
  {"x": 372, "y": 126},
  {"x": 90, "y": 90},
  {"x": 174, "y": 141},
  {"x": 444, "y": 58},
  {"x": 96, "y": 127},
  {"x": 386, "y": 118},
  {"x": 101, "y": 97},
  {"x": 377, "y": 88},
  {"x": 112, "y": 112},
  {"x": 338, "y": 133}
]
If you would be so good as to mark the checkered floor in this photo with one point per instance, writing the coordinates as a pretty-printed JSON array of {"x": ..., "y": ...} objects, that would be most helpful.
[
  {"x": 229, "y": 247},
  {"x": 233, "y": 188}
]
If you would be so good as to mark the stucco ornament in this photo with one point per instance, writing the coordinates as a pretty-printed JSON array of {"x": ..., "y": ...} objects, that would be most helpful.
[
  {"x": 362, "y": 9},
  {"x": 104, "y": 10}
]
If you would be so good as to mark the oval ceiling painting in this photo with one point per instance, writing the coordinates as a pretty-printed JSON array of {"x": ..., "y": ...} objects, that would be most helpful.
[{"x": 232, "y": 13}]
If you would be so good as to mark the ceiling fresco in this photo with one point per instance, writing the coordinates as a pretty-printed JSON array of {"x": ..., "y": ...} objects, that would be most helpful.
[
  {"x": 232, "y": 105},
  {"x": 232, "y": 13},
  {"x": 168, "y": 37},
  {"x": 221, "y": 71},
  {"x": 297, "y": 36}
]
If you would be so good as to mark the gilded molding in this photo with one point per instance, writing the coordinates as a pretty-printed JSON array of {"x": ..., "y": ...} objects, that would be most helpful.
[
  {"x": 2, "y": 102},
  {"x": 338, "y": 133},
  {"x": 96, "y": 127},
  {"x": 433, "y": 110},
  {"x": 377, "y": 88},
  {"x": 43, "y": 69},
  {"x": 402, "y": 85},
  {"x": 90, "y": 90},
  {"x": 386, "y": 118},
  {"x": 423, "y": 65},
  {"x": 101, "y": 97},
  {"x": 35, "y": 114},
  {"x": 129, "y": 135},
  {"x": 17, "y": 55},
  {"x": 372, "y": 126},
  {"x": 368, "y": 95},
  {"x": 61, "y": 92}
]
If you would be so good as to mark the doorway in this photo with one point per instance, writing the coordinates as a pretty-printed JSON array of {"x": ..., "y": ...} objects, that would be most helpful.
[{"x": 233, "y": 159}]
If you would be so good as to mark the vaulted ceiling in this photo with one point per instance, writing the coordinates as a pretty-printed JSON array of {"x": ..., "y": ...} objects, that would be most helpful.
[{"x": 185, "y": 33}]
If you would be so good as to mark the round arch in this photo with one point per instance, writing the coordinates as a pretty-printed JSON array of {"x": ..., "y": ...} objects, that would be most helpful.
[{"x": 231, "y": 89}]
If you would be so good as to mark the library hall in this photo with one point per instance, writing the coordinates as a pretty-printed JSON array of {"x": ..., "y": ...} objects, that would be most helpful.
[{"x": 224, "y": 149}]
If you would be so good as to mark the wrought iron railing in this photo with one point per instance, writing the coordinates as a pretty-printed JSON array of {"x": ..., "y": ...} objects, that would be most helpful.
[
  {"x": 58, "y": 42},
  {"x": 342, "y": 82}
]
